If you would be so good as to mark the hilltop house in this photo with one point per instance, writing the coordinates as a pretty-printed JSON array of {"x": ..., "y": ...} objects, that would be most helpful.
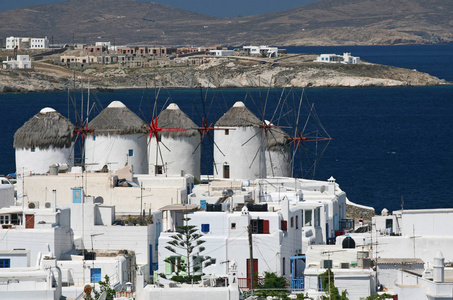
[
  {"x": 21, "y": 62},
  {"x": 346, "y": 58},
  {"x": 26, "y": 43}
]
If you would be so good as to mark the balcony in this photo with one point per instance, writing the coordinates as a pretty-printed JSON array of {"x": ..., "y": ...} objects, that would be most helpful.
[
  {"x": 244, "y": 283},
  {"x": 298, "y": 283}
]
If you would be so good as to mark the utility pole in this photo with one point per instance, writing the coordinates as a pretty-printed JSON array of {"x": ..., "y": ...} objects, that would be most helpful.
[{"x": 252, "y": 273}]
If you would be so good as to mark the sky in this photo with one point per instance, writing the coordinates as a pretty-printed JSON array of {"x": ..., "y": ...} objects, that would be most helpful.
[{"x": 218, "y": 8}]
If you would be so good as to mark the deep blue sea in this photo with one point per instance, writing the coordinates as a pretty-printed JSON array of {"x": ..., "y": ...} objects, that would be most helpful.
[{"x": 387, "y": 143}]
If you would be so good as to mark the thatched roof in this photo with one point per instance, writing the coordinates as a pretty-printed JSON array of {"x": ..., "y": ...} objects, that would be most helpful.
[
  {"x": 238, "y": 116},
  {"x": 174, "y": 117},
  {"x": 276, "y": 138},
  {"x": 47, "y": 128},
  {"x": 117, "y": 119}
]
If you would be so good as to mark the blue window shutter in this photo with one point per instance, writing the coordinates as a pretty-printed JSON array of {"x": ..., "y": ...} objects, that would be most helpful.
[{"x": 205, "y": 228}]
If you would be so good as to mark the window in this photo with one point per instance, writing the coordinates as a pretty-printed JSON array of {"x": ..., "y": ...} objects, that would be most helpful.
[
  {"x": 233, "y": 225},
  {"x": 4, "y": 219},
  {"x": 227, "y": 131},
  {"x": 297, "y": 222},
  {"x": 159, "y": 170},
  {"x": 260, "y": 226},
  {"x": 284, "y": 225},
  {"x": 205, "y": 228},
  {"x": 172, "y": 263},
  {"x": 131, "y": 152},
  {"x": 308, "y": 216},
  {"x": 388, "y": 223},
  {"x": 292, "y": 222},
  {"x": 283, "y": 266},
  {"x": 5, "y": 263},
  {"x": 33, "y": 149},
  {"x": 226, "y": 171},
  {"x": 318, "y": 217},
  {"x": 96, "y": 275}
]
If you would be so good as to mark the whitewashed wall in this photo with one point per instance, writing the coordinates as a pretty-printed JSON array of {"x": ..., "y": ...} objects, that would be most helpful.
[
  {"x": 182, "y": 155},
  {"x": 246, "y": 160},
  {"x": 113, "y": 151},
  {"x": 39, "y": 161}
]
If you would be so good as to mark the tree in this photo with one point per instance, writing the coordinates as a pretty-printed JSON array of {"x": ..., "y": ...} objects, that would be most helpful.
[
  {"x": 188, "y": 240},
  {"x": 273, "y": 285},
  {"x": 327, "y": 284},
  {"x": 104, "y": 286}
]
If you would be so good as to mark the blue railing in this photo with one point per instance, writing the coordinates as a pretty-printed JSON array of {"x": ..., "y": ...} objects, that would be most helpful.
[{"x": 297, "y": 283}]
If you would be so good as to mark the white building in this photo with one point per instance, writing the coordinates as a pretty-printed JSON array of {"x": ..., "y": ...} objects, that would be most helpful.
[
  {"x": 239, "y": 146},
  {"x": 433, "y": 283},
  {"x": 323, "y": 205},
  {"x": 346, "y": 58},
  {"x": 27, "y": 43},
  {"x": 37, "y": 231},
  {"x": 22, "y": 62},
  {"x": 351, "y": 270},
  {"x": 6, "y": 194},
  {"x": 119, "y": 139},
  {"x": 222, "y": 52},
  {"x": 95, "y": 226},
  {"x": 30, "y": 283},
  {"x": 175, "y": 150},
  {"x": 206, "y": 291},
  {"x": 411, "y": 236},
  {"x": 262, "y": 50},
  {"x": 46, "y": 139},
  {"x": 276, "y": 236},
  {"x": 129, "y": 196}
]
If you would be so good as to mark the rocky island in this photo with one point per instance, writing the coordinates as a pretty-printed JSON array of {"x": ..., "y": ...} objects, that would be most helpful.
[{"x": 290, "y": 70}]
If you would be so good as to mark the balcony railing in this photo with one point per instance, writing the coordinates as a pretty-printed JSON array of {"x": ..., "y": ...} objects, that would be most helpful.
[
  {"x": 244, "y": 283},
  {"x": 297, "y": 283}
]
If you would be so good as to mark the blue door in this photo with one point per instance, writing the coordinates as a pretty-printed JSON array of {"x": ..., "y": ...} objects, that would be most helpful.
[{"x": 77, "y": 195}]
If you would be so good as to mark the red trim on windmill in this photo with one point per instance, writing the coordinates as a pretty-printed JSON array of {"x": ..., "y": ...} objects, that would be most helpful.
[
  {"x": 83, "y": 131},
  {"x": 154, "y": 129},
  {"x": 298, "y": 137}
]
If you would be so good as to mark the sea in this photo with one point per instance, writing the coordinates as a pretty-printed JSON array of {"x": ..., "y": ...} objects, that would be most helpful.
[{"x": 390, "y": 147}]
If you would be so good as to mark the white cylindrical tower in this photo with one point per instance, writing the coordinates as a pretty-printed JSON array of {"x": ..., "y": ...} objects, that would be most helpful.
[
  {"x": 178, "y": 152},
  {"x": 44, "y": 140},
  {"x": 278, "y": 157},
  {"x": 119, "y": 139},
  {"x": 239, "y": 149},
  {"x": 438, "y": 267}
]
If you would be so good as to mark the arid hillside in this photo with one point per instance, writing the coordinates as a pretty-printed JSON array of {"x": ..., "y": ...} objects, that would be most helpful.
[{"x": 325, "y": 22}]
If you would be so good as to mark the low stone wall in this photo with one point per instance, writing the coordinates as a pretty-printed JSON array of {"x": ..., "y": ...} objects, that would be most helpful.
[{"x": 356, "y": 212}]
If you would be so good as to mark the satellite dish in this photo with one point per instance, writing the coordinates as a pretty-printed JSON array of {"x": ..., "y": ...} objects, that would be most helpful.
[
  {"x": 31, "y": 205},
  {"x": 99, "y": 200},
  {"x": 323, "y": 189}
]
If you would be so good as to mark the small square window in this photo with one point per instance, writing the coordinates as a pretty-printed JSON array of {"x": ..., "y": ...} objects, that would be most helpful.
[
  {"x": 227, "y": 131},
  {"x": 159, "y": 170},
  {"x": 33, "y": 149},
  {"x": 131, "y": 152},
  {"x": 205, "y": 228},
  {"x": 233, "y": 225},
  {"x": 5, "y": 263}
]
